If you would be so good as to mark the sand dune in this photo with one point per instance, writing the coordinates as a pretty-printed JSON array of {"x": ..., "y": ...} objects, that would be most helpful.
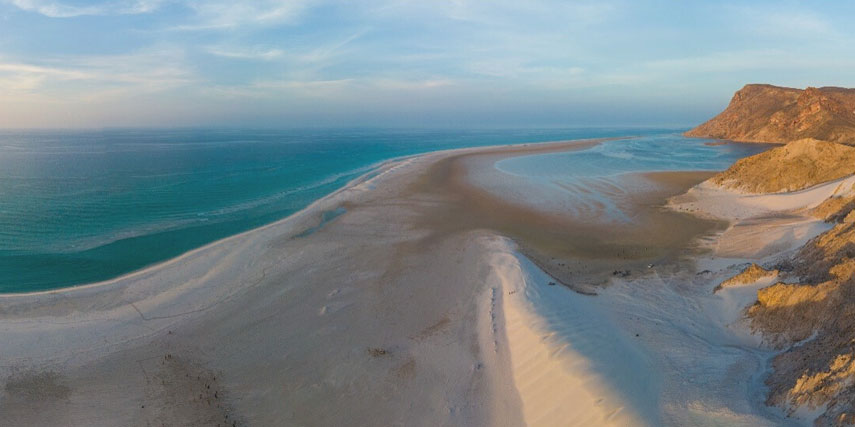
[
  {"x": 556, "y": 383},
  {"x": 762, "y": 225},
  {"x": 657, "y": 350}
]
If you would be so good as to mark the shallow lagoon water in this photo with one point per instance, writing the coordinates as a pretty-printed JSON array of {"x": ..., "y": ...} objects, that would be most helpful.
[{"x": 593, "y": 182}]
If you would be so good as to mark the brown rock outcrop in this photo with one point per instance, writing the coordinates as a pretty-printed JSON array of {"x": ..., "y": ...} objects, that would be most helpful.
[
  {"x": 819, "y": 314},
  {"x": 816, "y": 260},
  {"x": 751, "y": 274},
  {"x": 795, "y": 166},
  {"x": 835, "y": 209},
  {"x": 766, "y": 113}
]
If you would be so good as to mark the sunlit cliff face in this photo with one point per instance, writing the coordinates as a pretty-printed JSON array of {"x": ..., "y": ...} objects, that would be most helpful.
[
  {"x": 820, "y": 309},
  {"x": 766, "y": 113}
]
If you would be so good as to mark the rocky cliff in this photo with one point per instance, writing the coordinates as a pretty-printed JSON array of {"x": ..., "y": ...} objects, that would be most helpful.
[
  {"x": 810, "y": 313},
  {"x": 766, "y": 113},
  {"x": 814, "y": 320}
]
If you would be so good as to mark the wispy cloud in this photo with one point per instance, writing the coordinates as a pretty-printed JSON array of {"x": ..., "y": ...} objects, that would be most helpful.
[
  {"x": 252, "y": 53},
  {"x": 56, "y": 9},
  {"x": 27, "y": 69},
  {"x": 350, "y": 88},
  {"x": 152, "y": 70},
  {"x": 331, "y": 49},
  {"x": 212, "y": 14},
  {"x": 578, "y": 12},
  {"x": 224, "y": 15},
  {"x": 741, "y": 60},
  {"x": 785, "y": 22}
]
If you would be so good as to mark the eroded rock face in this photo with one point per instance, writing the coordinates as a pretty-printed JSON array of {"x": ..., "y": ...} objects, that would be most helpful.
[
  {"x": 766, "y": 113},
  {"x": 791, "y": 312},
  {"x": 814, "y": 320},
  {"x": 751, "y": 274},
  {"x": 836, "y": 209},
  {"x": 795, "y": 166},
  {"x": 817, "y": 260}
]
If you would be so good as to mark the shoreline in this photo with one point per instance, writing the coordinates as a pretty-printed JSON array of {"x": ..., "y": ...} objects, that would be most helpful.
[
  {"x": 397, "y": 293},
  {"x": 374, "y": 169},
  {"x": 580, "y": 253},
  {"x": 197, "y": 314}
]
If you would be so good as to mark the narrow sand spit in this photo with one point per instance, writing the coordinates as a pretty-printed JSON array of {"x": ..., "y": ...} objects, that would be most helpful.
[
  {"x": 370, "y": 319},
  {"x": 557, "y": 382},
  {"x": 428, "y": 301}
]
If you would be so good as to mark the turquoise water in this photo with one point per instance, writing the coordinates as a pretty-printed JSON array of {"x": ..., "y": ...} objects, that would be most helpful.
[
  {"x": 80, "y": 207},
  {"x": 594, "y": 183},
  {"x": 651, "y": 153}
]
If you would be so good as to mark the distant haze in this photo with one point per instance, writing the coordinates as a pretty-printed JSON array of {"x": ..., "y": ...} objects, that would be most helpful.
[{"x": 443, "y": 63}]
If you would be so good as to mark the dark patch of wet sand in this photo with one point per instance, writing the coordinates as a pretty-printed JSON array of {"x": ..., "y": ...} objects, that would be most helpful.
[{"x": 580, "y": 253}]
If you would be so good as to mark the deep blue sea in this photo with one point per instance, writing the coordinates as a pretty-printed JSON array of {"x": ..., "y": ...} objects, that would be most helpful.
[{"x": 79, "y": 207}]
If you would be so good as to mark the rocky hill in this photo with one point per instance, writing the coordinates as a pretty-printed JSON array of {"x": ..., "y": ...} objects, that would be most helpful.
[
  {"x": 810, "y": 314},
  {"x": 814, "y": 320},
  {"x": 795, "y": 166},
  {"x": 766, "y": 113}
]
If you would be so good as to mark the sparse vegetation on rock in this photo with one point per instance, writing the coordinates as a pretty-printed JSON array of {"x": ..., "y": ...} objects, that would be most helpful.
[
  {"x": 795, "y": 166},
  {"x": 835, "y": 209},
  {"x": 750, "y": 274},
  {"x": 815, "y": 318}
]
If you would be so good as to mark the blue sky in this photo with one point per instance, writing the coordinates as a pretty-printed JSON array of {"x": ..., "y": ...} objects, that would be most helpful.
[{"x": 432, "y": 63}]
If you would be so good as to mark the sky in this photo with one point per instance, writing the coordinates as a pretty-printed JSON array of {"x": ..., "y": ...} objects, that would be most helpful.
[{"x": 406, "y": 63}]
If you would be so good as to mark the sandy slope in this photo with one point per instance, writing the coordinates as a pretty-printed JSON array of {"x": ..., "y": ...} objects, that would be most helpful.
[
  {"x": 558, "y": 384},
  {"x": 761, "y": 225},
  {"x": 796, "y": 166},
  {"x": 772, "y": 229},
  {"x": 659, "y": 350}
]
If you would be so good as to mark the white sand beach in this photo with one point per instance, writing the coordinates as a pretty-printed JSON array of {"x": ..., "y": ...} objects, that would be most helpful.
[{"x": 393, "y": 314}]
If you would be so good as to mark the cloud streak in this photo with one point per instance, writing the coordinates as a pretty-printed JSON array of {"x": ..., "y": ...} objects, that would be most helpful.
[
  {"x": 229, "y": 15},
  {"x": 252, "y": 53},
  {"x": 55, "y": 9},
  {"x": 91, "y": 75}
]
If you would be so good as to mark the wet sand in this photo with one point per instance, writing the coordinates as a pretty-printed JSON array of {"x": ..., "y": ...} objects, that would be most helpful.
[
  {"x": 577, "y": 251},
  {"x": 376, "y": 305}
]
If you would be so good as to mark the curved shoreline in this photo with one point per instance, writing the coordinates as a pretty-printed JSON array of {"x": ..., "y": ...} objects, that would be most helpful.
[
  {"x": 372, "y": 170},
  {"x": 197, "y": 315},
  {"x": 390, "y": 312}
]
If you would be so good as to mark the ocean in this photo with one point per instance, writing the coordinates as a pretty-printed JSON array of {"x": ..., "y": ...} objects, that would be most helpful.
[{"x": 85, "y": 206}]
